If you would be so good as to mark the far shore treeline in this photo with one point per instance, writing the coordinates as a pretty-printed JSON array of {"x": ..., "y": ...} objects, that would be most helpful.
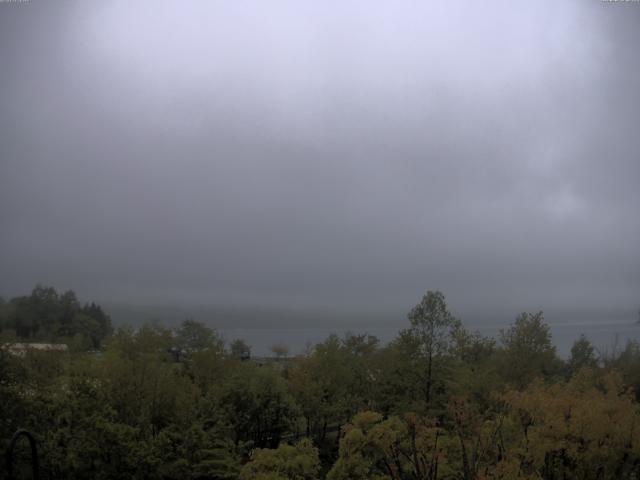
[{"x": 437, "y": 402}]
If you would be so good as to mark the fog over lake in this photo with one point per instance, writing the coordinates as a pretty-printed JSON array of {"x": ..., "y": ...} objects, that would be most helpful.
[
  {"x": 263, "y": 327},
  {"x": 320, "y": 165}
]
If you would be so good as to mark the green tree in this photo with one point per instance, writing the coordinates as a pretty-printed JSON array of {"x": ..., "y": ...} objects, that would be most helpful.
[
  {"x": 433, "y": 326},
  {"x": 104, "y": 326},
  {"x": 473, "y": 372},
  {"x": 240, "y": 349},
  {"x": 395, "y": 448},
  {"x": 199, "y": 452},
  {"x": 45, "y": 315},
  {"x": 146, "y": 389},
  {"x": 582, "y": 356},
  {"x": 193, "y": 336},
  {"x": 257, "y": 404},
  {"x": 398, "y": 374},
  {"x": 627, "y": 364},
  {"x": 331, "y": 385},
  {"x": 287, "y": 462},
  {"x": 14, "y": 403},
  {"x": 361, "y": 345},
  {"x": 32, "y": 315},
  {"x": 527, "y": 350}
]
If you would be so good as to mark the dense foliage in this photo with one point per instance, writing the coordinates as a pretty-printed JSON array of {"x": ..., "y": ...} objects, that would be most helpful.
[
  {"x": 438, "y": 402},
  {"x": 46, "y": 315}
]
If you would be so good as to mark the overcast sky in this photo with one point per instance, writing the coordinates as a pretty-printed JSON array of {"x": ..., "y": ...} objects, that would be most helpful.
[{"x": 327, "y": 153}]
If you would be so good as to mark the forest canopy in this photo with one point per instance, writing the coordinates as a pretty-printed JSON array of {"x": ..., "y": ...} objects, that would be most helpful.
[
  {"x": 46, "y": 315},
  {"x": 437, "y": 402}
]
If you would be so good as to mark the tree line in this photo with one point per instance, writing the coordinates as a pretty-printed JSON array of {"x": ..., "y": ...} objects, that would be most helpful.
[
  {"x": 437, "y": 402},
  {"x": 48, "y": 316}
]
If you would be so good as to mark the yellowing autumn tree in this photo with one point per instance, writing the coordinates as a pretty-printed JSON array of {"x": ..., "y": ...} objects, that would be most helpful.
[{"x": 586, "y": 429}]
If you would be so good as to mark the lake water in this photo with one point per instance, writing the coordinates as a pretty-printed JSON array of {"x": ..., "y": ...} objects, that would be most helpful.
[{"x": 604, "y": 336}]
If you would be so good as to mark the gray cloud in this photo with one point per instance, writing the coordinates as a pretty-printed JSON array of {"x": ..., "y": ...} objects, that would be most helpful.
[{"x": 322, "y": 153}]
